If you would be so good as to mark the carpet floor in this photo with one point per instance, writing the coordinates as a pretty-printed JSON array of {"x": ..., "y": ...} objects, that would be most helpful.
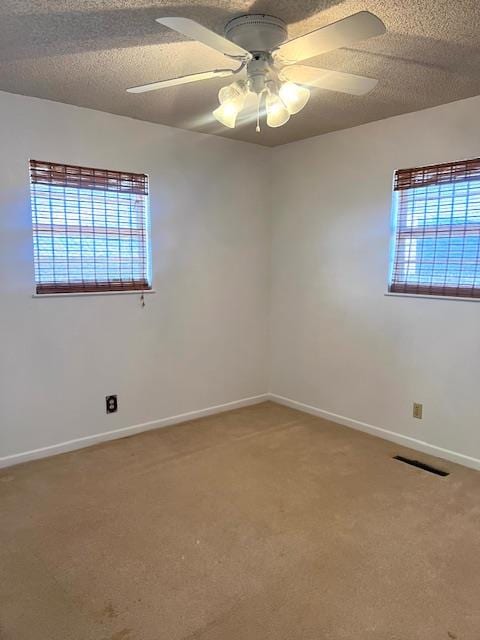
[{"x": 263, "y": 523}]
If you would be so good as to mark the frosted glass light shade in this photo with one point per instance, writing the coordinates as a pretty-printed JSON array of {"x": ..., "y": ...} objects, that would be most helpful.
[
  {"x": 232, "y": 100},
  {"x": 227, "y": 113},
  {"x": 277, "y": 112},
  {"x": 294, "y": 97},
  {"x": 235, "y": 91}
]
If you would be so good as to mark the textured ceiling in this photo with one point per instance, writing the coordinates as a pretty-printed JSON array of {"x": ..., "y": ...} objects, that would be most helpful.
[{"x": 86, "y": 53}]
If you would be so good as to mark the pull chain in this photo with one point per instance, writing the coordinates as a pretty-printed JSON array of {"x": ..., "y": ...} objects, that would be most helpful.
[{"x": 257, "y": 128}]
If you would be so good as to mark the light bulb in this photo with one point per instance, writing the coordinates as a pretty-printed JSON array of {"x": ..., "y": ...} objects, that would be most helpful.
[
  {"x": 294, "y": 97},
  {"x": 277, "y": 113},
  {"x": 227, "y": 113}
]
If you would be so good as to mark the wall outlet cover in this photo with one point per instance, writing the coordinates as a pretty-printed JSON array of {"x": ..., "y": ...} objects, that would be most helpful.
[
  {"x": 417, "y": 410},
  {"x": 111, "y": 404}
]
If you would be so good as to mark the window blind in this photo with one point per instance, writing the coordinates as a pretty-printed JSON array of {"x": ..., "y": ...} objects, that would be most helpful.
[
  {"x": 89, "y": 229},
  {"x": 437, "y": 230}
]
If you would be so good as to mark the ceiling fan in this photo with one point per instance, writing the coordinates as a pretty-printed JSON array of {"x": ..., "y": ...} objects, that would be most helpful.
[{"x": 258, "y": 43}]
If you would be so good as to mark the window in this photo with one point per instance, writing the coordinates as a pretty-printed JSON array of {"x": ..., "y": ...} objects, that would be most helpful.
[
  {"x": 437, "y": 230},
  {"x": 89, "y": 229}
]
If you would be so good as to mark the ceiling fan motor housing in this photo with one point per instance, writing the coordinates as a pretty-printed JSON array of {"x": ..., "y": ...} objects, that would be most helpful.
[
  {"x": 256, "y": 32},
  {"x": 259, "y": 34}
]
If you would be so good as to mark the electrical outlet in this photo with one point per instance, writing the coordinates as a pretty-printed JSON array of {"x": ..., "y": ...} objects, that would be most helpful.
[
  {"x": 417, "y": 410},
  {"x": 111, "y": 404}
]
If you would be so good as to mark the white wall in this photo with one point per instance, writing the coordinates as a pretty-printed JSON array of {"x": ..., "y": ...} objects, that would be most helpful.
[
  {"x": 200, "y": 341},
  {"x": 338, "y": 343}
]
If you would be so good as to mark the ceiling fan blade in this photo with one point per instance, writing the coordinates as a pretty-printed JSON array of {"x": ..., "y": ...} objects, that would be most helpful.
[
  {"x": 172, "y": 82},
  {"x": 198, "y": 32},
  {"x": 359, "y": 26},
  {"x": 331, "y": 80}
]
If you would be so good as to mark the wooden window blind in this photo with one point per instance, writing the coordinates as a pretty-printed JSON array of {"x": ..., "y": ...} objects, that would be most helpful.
[
  {"x": 89, "y": 229},
  {"x": 437, "y": 230}
]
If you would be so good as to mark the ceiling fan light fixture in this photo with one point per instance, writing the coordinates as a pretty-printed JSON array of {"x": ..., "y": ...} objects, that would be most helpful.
[
  {"x": 259, "y": 44},
  {"x": 277, "y": 112},
  {"x": 294, "y": 96}
]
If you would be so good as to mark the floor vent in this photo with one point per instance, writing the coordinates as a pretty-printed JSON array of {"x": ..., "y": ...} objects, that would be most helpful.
[{"x": 422, "y": 465}]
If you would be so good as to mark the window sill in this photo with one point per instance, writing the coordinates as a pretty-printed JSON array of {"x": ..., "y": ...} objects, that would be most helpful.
[
  {"x": 93, "y": 293},
  {"x": 429, "y": 297}
]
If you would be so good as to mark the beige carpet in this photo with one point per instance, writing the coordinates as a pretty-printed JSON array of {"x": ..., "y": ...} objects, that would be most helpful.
[{"x": 259, "y": 524}]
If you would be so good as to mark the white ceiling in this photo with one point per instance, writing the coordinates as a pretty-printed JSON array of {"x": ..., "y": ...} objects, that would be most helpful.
[{"x": 86, "y": 53}]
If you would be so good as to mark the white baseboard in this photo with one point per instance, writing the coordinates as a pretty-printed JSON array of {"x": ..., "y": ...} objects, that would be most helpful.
[
  {"x": 398, "y": 438},
  {"x": 87, "y": 441}
]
